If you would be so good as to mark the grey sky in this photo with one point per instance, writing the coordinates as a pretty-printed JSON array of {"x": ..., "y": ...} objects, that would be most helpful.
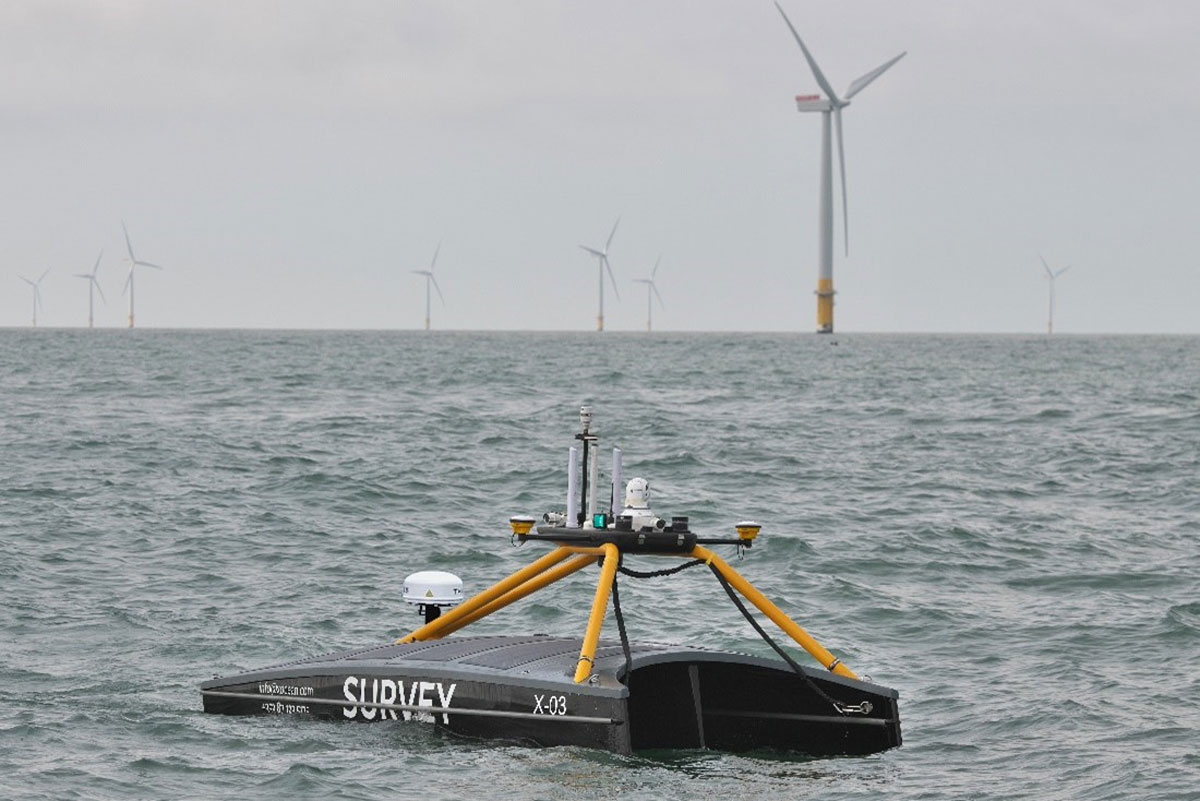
[{"x": 290, "y": 163}]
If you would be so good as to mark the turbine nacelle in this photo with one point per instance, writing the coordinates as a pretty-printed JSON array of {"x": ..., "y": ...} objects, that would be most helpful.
[
  {"x": 1052, "y": 274},
  {"x": 815, "y": 103}
]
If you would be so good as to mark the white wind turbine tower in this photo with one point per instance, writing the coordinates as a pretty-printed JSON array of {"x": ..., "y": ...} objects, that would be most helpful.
[
  {"x": 93, "y": 286},
  {"x": 1051, "y": 276},
  {"x": 430, "y": 279},
  {"x": 602, "y": 259},
  {"x": 651, "y": 287},
  {"x": 133, "y": 263},
  {"x": 37, "y": 293},
  {"x": 830, "y": 107}
]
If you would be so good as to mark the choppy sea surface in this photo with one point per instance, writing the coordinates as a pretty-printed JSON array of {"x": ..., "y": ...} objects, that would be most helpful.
[{"x": 1004, "y": 528}]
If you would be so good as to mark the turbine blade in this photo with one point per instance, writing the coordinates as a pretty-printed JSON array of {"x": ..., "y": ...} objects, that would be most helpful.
[
  {"x": 1063, "y": 270},
  {"x": 594, "y": 252},
  {"x": 44, "y": 274},
  {"x": 101, "y": 291},
  {"x": 1049, "y": 273},
  {"x": 861, "y": 83},
  {"x": 97, "y": 267},
  {"x": 436, "y": 251},
  {"x": 128, "y": 244},
  {"x": 837, "y": 118},
  {"x": 611, "y": 277},
  {"x": 660, "y": 300},
  {"x": 438, "y": 288},
  {"x": 611, "y": 235},
  {"x": 83, "y": 275},
  {"x": 128, "y": 281},
  {"x": 812, "y": 64},
  {"x": 422, "y": 272},
  {"x": 654, "y": 272},
  {"x": 641, "y": 280},
  {"x": 26, "y": 280},
  {"x": 147, "y": 264}
]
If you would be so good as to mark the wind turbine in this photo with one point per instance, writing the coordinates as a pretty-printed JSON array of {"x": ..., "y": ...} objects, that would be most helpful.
[
  {"x": 133, "y": 262},
  {"x": 429, "y": 279},
  {"x": 830, "y": 107},
  {"x": 93, "y": 286},
  {"x": 1051, "y": 276},
  {"x": 37, "y": 293},
  {"x": 651, "y": 287},
  {"x": 602, "y": 259}
]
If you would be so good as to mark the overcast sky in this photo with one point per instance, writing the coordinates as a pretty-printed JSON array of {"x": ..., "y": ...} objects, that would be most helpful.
[{"x": 290, "y": 163}]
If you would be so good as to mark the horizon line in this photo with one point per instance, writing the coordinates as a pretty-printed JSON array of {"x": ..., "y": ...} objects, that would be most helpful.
[{"x": 630, "y": 331}]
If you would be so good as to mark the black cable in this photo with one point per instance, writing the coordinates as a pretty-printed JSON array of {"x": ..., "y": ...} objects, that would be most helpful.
[
  {"x": 616, "y": 598},
  {"x": 656, "y": 573},
  {"x": 779, "y": 650}
]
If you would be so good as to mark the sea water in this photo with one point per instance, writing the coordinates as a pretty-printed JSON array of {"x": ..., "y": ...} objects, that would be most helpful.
[{"x": 1006, "y": 529}]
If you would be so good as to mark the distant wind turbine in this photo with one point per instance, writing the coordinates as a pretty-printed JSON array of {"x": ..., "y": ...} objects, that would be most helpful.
[
  {"x": 37, "y": 293},
  {"x": 602, "y": 259},
  {"x": 430, "y": 279},
  {"x": 1051, "y": 276},
  {"x": 93, "y": 286},
  {"x": 831, "y": 106},
  {"x": 651, "y": 287},
  {"x": 133, "y": 262}
]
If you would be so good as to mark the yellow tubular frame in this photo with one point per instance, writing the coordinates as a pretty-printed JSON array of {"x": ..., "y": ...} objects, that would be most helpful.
[
  {"x": 531, "y": 586},
  {"x": 587, "y": 654},
  {"x": 545, "y": 571},
  {"x": 752, "y": 594}
]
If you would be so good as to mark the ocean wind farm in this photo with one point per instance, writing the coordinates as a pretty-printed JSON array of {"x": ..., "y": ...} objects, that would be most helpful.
[
  {"x": 383, "y": 255},
  {"x": 273, "y": 212}
]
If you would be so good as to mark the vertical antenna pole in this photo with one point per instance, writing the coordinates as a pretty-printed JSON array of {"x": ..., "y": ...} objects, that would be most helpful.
[{"x": 585, "y": 424}]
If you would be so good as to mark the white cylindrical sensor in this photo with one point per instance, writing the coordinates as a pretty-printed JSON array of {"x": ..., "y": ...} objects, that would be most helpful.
[
  {"x": 616, "y": 504},
  {"x": 593, "y": 481},
  {"x": 573, "y": 488}
]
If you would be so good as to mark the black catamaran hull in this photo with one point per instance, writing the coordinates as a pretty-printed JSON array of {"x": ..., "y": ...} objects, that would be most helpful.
[{"x": 519, "y": 689}]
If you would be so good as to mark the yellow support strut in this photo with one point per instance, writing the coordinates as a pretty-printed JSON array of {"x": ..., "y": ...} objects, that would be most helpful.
[
  {"x": 545, "y": 571},
  {"x": 436, "y": 628},
  {"x": 754, "y": 596},
  {"x": 531, "y": 586},
  {"x": 587, "y": 654}
]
